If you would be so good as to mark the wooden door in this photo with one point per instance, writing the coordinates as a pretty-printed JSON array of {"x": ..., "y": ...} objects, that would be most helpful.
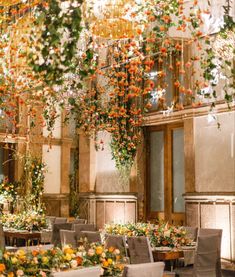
[{"x": 165, "y": 173}]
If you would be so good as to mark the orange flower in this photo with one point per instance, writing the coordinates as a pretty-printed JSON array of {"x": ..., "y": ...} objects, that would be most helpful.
[
  {"x": 99, "y": 250},
  {"x": 2, "y": 267},
  {"x": 34, "y": 253},
  {"x": 105, "y": 263},
  {"x": 177, "y": 83},
  {"x": 79, "y": 260},
  {"x": 111, "y": 249}
]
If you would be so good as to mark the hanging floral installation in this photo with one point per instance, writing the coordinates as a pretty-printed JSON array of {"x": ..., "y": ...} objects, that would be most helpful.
[{"x": 107, "y": 62}]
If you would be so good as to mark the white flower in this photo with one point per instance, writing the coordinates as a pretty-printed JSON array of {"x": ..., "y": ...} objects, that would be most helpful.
[
  {"x": 65, "y": 38},
  {"x": 35, "y": 260},
  {"x": 116, "y": 251},
  {"x": 20, "y": 272},
  {"x": 52, "y": 51},
  {"x": 75, "y": 4},
  {"x": 91, "y": 252},
  {"x": 167, "y": 233},
  {"x": 64, "y": 6},
  {"x": 73, "y": 264}
]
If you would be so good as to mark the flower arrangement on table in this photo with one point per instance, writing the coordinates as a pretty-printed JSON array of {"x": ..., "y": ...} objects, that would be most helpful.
[
  {"x": 8, "y": 191},
  {"x": 162, "y": 234},
  {"x": 43, "y": 263},
  {"x": 28, "y": 220}
]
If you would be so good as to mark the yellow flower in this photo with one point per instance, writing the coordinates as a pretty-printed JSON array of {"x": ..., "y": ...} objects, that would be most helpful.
[
  {"x": 14, "y": 260},
  {"x": 68, "y": 251},
  {"x": 99, "y": 250},
  {"x": 20, "y": 253},
  {"x": 6, "y": 256},
  {"x": 45, "y": 260},
  {"x": 110, "y": 261},
  {"x": 68, "y": 257},
  {"x": 10, "y": 274}
]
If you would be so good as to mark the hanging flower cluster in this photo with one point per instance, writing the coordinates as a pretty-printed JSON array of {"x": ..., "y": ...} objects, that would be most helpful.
[{"x": 54, "y": 50}]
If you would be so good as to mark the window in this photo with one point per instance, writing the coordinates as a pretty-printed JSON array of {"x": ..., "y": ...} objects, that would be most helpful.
[
  {"x": 165, "y": 73},
  {"x": 165, "y": 172}
]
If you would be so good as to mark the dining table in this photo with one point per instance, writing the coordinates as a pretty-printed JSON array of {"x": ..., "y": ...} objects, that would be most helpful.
[
  {"x": 186, "y": 253},
  {"x": 29, "y": 237},
  {"x": 12, "y": 236}
]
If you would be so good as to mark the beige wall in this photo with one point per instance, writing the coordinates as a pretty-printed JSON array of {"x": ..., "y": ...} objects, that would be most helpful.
[
  {"x": 52, "y": 158},
  {"x": 107, "y": 176},
  {"x": 215, "y": 154},
  {"x": 97, "y": 171}
]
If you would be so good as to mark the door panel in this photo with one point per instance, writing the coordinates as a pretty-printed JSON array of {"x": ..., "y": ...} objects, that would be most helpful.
[{"x": 165, "y": 173}]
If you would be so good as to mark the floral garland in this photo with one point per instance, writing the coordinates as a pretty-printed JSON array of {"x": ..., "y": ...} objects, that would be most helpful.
[
  {"x": 42, "y": 263},
  {"x": 162, "y": 234},
  {"x": 29, "y": 220},
  {"x": 33, "y": 181}
]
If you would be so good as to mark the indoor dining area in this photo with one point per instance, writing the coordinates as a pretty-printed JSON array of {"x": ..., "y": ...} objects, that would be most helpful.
[{"x": 117, "y": 138}]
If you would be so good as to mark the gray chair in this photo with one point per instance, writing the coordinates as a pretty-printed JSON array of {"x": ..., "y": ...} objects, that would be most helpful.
[
  {"x": 79, "y": 221},
  {"x": 68, "y": 237},
  {"x": 205, "y": 259},
  {"x": 84, "y": 272},
  {"x": 139, "y": 250},
  {"x": 218, "y": 232},
  {"x": 2, "y": 238},
  {"x": 78, "y": 228},
  {"x": 118, "y": 242},
  {"x": 46, "y": 236},
  {"x": 144, "y": 270},
  {"x": 91, "y": 236},
  {"x": 59, "y": 220},
  {"x": 191, "y": 232},
  {"x": 56, "y": 232},
  {"x": 50, "y": 219}
]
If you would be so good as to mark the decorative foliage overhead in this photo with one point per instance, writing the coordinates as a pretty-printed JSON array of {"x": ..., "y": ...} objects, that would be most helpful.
[{"x": 106, "y": 63}]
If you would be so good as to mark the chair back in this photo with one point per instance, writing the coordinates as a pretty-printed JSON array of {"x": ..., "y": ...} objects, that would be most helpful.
[
  {"x": 206, "y": 256},
  {"x": 84, "y": 272},
  {"x": 50, "y": 219},
  {"x": 139, "y": 250},
  {"x": 79, "y": 221},
  {"x": 2, "y": 237},
  {"x": 218, "y": 232},
  {"x": 116, "y": 241},
  {"x": 59, "y": 220},
  {"x": 144, "y": 270},
  {"x": 56, "y": 231},
  {"x": 83, "y": 227},
  {"x": 91, "y": 236},
  {"x": 68, "y": 237},
  {"x": 191, "y": 232}
]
